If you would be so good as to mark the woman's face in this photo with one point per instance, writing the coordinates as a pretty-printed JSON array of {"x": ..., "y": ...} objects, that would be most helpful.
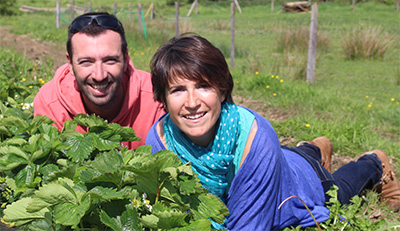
[{"x": 194, "y": 107}]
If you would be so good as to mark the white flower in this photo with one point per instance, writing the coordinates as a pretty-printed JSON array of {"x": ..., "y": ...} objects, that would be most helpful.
[{"x": 26, "y": 106}]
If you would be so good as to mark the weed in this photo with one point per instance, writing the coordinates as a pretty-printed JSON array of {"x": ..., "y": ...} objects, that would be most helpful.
[{"x": 366, "y": 43}]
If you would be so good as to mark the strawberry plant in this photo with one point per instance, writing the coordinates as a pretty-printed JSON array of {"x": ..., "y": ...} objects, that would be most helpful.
[{"x": 67, "y": 180}]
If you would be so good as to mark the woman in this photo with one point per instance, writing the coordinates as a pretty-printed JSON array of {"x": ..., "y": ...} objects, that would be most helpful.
[{"x": 236, "y": 152}]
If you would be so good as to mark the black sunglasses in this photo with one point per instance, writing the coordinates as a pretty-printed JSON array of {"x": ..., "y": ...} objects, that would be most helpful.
[{"x": 103, "y": 20}]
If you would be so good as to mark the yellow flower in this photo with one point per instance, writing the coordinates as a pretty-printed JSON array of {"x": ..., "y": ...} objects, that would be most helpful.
[
  {"x": 135, "y": 203},
  {"x": 141, "y": 53},
  {"x": 24, "y": 79},
  {"x": 30, "y": 86},
  {"x": 366, "y": 96},
  {"x": 42, "y": 82},
  {"x": 281, "y": 81},
  {"x": 307, "y": 125},
  {"x": 256, "y": 72},
  {"x": 277, "y": 77},
  {"x": 267, "y": 86},
  {"x": 370, "y": 105},
  {"x": 272, "y": 76},
  {"x": 40, "y": 79},
  {"x": 274, "y": 94},
  {"x": 393, "y": 99}
]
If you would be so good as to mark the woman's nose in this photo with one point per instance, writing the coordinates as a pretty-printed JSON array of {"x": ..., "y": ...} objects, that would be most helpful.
[{"x": 192, "y": 99}]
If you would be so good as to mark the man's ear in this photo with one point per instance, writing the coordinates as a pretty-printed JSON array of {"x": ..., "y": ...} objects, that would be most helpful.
[
  {"x": 126, "y": 60},
  {"x": 69, "y": 63}
]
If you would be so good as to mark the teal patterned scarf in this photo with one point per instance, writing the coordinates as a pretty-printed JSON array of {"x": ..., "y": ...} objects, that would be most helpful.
[{"x": 212, "y": 163}]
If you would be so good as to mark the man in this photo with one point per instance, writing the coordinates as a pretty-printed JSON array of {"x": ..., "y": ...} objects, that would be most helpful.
[{"x": 100, "y": 79}]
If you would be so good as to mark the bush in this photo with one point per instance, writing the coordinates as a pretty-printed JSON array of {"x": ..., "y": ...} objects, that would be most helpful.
[{"x": 8, "y": 7}]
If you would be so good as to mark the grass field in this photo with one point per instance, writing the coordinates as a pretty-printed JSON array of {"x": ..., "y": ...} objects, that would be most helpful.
[{"x": 355, "y": 102}]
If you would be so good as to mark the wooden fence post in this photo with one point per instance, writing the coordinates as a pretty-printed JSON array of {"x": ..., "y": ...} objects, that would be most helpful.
[
  {"x": 232, "y": 34},
  {"x": 272, "y": 5},
  {"x": 176, "y": 18},
  {"x": 354, "y": 5},
  {"x": 191, "y": 8},
  {"x": 312, "y": 44},
  {"x": 58, "y": 14},
  {"x": 140, "y": 16},
  {"x": 90, "y": 7},
  {"x": 397, "y": 5},
  {"x": 237, "y": 5},
  {"x": 196, "y": 7},
  {"x": 115, "y": 8},
  {"x": 152, "y": 11},
  {"x": 72, "y": 9}
]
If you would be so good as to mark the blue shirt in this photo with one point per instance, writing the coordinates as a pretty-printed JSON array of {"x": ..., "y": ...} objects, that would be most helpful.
[{"x": 267, "y": 177}]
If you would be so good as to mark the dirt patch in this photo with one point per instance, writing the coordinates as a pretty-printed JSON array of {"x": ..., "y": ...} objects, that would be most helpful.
[{"x": 33, "y": 49}]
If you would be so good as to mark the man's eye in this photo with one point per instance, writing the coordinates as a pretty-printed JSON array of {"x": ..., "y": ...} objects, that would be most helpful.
[
  {"x": 174, "y": 90},
  {"x": 83, "y": 62},
  {"x": 111, "y": 61}
]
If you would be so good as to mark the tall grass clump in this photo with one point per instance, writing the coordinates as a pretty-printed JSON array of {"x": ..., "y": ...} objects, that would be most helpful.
[
  {"x": 292, "y": 47},
  {"x": 296, "y": 39},
  {"x": 366, "y": 43}
]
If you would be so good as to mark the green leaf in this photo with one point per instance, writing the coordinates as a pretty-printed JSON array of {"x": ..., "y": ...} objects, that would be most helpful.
[
  {"x": 108, "y": 161},
  {"x": 90, "y": 120},
  {"x": 69, "y": 125},
  {"x": 15, "y": 151},
  {"x": 70, "y": 214},
  {"x": 150, "y": 221},
  {"x": 44, "y": 125},
  {"x": 202, "y": 224},
  {"x": 52, "y": 194},
  {"x": 17, "y": 212},
  {"x": 80, "y": 147},
  {"x": 210, "y": 206},
  {"x": 106, "y": 194},
  {"x": 12, "y": 157},
  {"x": 168, "y": 218},
  {"x": 129, "y": 219},
  {"x": 126, "y": 133},
  {"x": 15, "y": 142},
  {"x": 105, "y": 144},
  {"x": 25, "y": 176},
  {"x": 18, "y": 122}
]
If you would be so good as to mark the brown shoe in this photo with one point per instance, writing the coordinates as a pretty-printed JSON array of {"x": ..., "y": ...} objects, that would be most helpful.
[
  {"x": 389, "y": 186},
  {"x": 325, "y": 146}
]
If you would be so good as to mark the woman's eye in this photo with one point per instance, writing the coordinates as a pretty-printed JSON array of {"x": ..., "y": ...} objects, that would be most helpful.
[{"x": 204, "y": 86}]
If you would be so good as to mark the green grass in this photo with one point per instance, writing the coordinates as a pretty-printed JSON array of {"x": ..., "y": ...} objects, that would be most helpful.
[{"x": 356, "y": 103}]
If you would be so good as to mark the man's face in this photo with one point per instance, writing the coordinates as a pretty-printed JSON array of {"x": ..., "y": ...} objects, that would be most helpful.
[{"x": 98, "y": 65}]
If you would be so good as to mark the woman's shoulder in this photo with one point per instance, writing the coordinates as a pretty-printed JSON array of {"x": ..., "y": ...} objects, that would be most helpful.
[
  {"x": 262, "y": 122},
  {"x": 155, "y": 136}
]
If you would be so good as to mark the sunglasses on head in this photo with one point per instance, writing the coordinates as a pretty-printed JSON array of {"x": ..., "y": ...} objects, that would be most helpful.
[{"x": 103, "y": 20}]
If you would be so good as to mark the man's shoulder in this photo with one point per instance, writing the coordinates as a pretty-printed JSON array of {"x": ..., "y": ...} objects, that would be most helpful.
[
  {"x": 49, "y": 90},
  {"x": 142, "y": 79}
]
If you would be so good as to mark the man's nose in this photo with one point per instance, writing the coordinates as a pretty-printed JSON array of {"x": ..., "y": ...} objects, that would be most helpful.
[{"x": 99, "y": 73}]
